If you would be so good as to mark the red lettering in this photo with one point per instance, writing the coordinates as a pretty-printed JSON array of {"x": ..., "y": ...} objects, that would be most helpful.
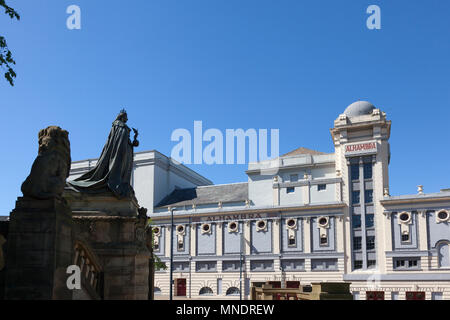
[{"x": 360, "y": 146}]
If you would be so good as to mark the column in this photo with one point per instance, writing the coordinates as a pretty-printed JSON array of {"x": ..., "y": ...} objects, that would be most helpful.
[
  {"x": 193, "y": 240},
  {"x": 422, "y": 221},
  {"x": 387, "y": 231},
  {"x": 167, "y": 241},
  {"x": 276, "y": 236},
  {"x": 219, "y": 239},
  {"x": 307, "y": 234},
  {"x": 305, "y": 189},
  {"x": 340, "y": 233}
]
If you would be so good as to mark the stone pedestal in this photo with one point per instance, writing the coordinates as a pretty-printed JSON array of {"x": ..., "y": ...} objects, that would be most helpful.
[
  {"x": 40, "y": 245},
  {"x": 116, "y": 233}
]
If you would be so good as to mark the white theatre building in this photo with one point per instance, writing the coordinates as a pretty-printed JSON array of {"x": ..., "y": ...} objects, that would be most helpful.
[{"x": 304, "y": 217}]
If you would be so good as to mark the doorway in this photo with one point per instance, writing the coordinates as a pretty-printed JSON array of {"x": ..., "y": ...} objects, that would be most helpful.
[{"x": 180, "y": 287}]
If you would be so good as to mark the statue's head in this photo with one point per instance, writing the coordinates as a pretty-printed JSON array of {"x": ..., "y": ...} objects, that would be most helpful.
[{"x": 122, "y": 116}]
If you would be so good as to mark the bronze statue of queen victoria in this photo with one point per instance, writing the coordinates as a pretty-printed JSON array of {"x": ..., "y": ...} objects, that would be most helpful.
[{"x": 113, "y": 169}]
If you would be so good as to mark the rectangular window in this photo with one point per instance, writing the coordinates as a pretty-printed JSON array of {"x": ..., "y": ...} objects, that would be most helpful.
[
  {"x": 370, "y": 242},
  {"x": 436, "y": 296},
  {"x": 356, "y": 221},
  {"x": 405, "y": 237},
  {"x": 181, "y": 266},
  {"x": 412, "y": 263},
  {"x": 321, "y": 187},
  {"x": 290, "y": 189},
  {"x": 261, "y": 265},
  {"x": 323, "y": 264},
  {"x": 358, "y": 264},
  {"x": 374, "y": 295},
  {"x": 229, "y": 266},
  {"x": 291, "y": 242},
  {"x": 406, "y": 263},
  {"x": 399, "y": 263},
  {"x": 367, "y": 170},
  {"x": 355, "y": 197},
  {"x": 293, "y": 177},
  {"x": 324, "y": 241},
  {"x": 369, "y": 220},
  {"x": 292, "y": 265},
  {"x": 354, "y": 168},
  {"x": 156, "y": 247},
  {"x": 415, "y": 295},
  {"x": 368, "y": 195},
  {"x": 204, "y": 266},
  {"x": 180, "y": 246},
  {"x": 357, "y": 244}
]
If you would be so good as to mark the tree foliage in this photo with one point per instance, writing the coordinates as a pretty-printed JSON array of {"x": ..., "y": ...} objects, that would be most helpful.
[{"x": 6, "y": 59}]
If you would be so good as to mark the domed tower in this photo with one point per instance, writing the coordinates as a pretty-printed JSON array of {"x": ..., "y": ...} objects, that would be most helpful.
[{"x": 361, "y": 139}]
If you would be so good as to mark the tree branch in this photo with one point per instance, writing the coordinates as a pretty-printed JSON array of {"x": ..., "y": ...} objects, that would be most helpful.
[
  {"x": 6, "y": 60},
  {"x": 9, "y": 11}
]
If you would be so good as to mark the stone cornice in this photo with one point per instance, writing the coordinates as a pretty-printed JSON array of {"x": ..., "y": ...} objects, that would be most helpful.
[
  {"x": 388, "y": 202},
  {"x": 289, "y": 167},
  {"x": 279, "y": 210}
]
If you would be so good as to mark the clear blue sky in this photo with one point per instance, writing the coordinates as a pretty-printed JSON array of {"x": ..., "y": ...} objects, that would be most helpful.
[{"x": 292, "y": 65}]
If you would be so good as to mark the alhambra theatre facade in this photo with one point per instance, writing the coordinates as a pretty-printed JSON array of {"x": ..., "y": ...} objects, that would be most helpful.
[{"x": 304, "y": 217}]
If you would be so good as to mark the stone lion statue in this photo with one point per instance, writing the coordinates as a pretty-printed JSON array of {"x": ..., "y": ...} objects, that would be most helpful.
[{"x": 51, "y": 167}]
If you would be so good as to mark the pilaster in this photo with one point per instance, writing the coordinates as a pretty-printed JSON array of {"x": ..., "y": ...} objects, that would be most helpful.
[{"x": 307, "y": 234}]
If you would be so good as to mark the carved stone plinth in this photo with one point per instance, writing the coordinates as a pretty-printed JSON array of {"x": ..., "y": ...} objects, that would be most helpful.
[
  {"x": 115, "y": 231},
  {"x": 39, "y": 250}
]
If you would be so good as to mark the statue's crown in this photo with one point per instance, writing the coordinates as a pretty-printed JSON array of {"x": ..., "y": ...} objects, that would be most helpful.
[{"x": 123, "y": 111}]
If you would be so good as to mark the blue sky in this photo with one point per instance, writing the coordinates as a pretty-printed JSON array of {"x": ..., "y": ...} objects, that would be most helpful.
[{"x": 291, "y": 65}]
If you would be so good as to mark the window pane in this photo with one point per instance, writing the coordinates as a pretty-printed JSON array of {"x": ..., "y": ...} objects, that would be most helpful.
[
  {"x": 356, "y": 221},
  {"x": 357, "y": 243},
  {"x": 370, "y": 242},
  {"x": 355, "y": 197},
  {"x": 412, "y": 263},
  {"x": 368, "y": 194},
  {"x": 436, "y": 296},
  {"x": 358, "y": 264},
  {"x": 369, "y": 220},
  {"x": 371, "y": 263},
  {"x": 367, "y": 171},
  {"x": 354, "y": 171}
]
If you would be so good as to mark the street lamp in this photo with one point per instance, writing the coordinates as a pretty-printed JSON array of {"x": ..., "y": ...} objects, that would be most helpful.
[
  {"x": 240, "y": 260},
  {"x": 171, "y": 252}
]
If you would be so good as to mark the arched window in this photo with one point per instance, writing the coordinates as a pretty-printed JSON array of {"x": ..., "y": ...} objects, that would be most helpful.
[
  {"x": 232, "y": 291},
  {"x": 444, "y": 255},
  {"x": 157, "y": 291},
  {"x": 206, "y": 291}
]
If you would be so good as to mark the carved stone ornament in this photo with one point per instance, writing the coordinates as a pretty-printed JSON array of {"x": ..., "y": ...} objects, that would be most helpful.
[{"x": 51, "y": 167}]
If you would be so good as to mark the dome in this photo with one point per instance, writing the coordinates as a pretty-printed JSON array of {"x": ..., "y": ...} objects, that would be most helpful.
[{"x": 359, "y": 108}]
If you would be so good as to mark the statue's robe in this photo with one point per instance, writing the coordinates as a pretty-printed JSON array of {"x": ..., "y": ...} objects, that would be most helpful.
[{"x": 113, "y": 169}]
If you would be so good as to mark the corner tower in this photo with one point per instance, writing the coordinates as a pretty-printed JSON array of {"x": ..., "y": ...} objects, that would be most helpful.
[{"x": 361, "y": 139}]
